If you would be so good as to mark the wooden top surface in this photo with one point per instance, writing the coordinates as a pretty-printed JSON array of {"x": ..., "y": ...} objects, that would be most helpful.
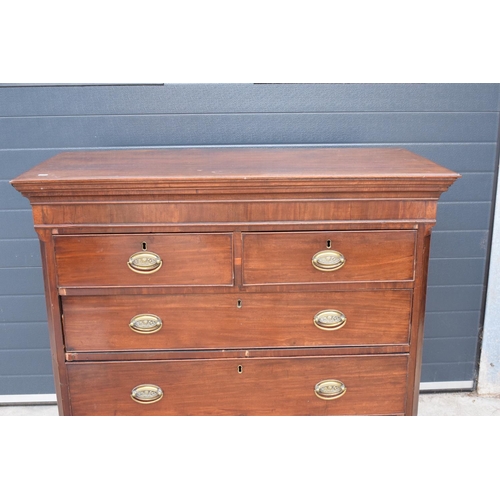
[{"x": 235, "y": 166}]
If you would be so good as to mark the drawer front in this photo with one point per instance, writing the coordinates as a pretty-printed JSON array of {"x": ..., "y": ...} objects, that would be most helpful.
[
  {"x": 271, "y": 386},
  {"x": 353, "y": 255},
  {"x": 224, "y": 321},
  {"x": 108, "y": 260}
]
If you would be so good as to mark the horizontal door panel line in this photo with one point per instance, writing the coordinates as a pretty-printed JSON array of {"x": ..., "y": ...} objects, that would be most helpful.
[
  {"x": 436, "y": 231},
  {"x": 19, "y": 267},
  {"x": 461, "y": 311},
  {"x": 256, "y": 145},
  {"x": 6, "y": 210},
  {"x": 477, "y": 285},
  {"x": 465, "y": 203},
  {"x": 25, "y": 349},
  {"x": 24, "y": 295},
  {"x": 439, "y": 363},
  {"x": 22, "y": 322},
  {"x": 454, "y": 312},
  {"x": 274, "y": 112},
  {"x": 244, "y": 114},
  {"x": 457, "y": 258},
  {"x": 445, "y": 339},
  {"x": 19, "y": 239},
  {"x": 29, "y": 238},
  {"x": 146, "y": 97}
]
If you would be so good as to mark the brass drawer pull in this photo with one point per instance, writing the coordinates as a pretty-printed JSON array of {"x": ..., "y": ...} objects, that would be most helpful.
[
  {"x": 145, "y": 323},
  {"x": 146, "y": 394},
  {"x": 330, "y": 389},
  {"x": 330, "y": 319},
  {"x": 144, "y": 262},
  {"x": 328, "y": 260}
]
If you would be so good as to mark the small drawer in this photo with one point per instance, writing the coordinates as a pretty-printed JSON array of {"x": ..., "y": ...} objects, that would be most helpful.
[
  {"x": 328, "y": 257},
  {"x": 356, "y": 385},
  {"x": 226, "y": 321},
  {"x": 144, "y": 259}
]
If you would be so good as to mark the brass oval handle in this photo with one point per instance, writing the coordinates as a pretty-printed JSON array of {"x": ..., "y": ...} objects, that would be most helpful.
[
  {"x": 328, "y": 260},
  {"x": 145, "y": 323},
  {"x": 144, "y": 262},
  {"x": 146, "y": 394},
  {"x": 330, "y": 389},
  {"x": 329, "y": 319}
]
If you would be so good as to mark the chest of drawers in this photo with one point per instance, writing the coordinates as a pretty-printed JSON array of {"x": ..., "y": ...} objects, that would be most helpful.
[{"x": 236, "y": 281}]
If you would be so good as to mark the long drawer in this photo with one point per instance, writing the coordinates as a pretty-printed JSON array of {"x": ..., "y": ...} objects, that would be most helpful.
[
  {"x": 273, "y": 386},
  {"x": 225, "y": 321},
  {"x": 328, "y": 257},
  {"x": 144, "y": 259}
]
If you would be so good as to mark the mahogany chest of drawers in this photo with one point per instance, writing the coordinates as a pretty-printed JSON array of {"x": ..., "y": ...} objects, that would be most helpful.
[{"x": 236, "y": 281}]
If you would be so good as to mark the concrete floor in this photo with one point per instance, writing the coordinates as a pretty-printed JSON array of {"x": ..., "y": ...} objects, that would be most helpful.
[
  {"x": 440, "y": 404},
  {"x": 458, "y": 404}
]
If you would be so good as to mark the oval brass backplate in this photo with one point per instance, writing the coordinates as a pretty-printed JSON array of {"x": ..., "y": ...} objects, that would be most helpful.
[
  {"x": 330, "y": 389},
  {"x": 145, "y": 324},
  {"x": 146, "y": 394},
  {"x": 328, "y": 260},
  {"x": 144, "y": 262},
  {"x": 329, "y": 319}
]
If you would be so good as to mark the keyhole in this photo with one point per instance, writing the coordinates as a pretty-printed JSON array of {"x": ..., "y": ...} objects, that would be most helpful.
[
  {"x": 239, "y": 304},
  {"x": 144, "y": 245},
  {"x": 328, "y": 243},
  {"x": 240, "y": 369}
]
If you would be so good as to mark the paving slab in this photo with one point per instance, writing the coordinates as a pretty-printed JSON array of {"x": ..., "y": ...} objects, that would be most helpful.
[{"x": 458, "y": 404}]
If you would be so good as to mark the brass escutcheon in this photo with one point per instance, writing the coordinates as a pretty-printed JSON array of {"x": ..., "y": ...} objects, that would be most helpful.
[
  {"x": 144, "y": 262},
  {"x": 328, "y": 260},
  {"x": 329, "y": 319},
  {"x": 145, "y": 323},
  {"x": 330, "y": 389},
  {"x": 146, "y": 394}
]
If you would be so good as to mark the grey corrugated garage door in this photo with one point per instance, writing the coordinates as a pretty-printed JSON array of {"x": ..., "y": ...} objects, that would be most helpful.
[{"x": 454, "y": 125}]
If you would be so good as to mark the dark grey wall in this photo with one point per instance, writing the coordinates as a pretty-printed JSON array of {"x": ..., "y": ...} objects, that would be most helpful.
[{"x": 455, "y": 125}]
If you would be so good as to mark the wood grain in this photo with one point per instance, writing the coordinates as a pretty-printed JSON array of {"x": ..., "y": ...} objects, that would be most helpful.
[
  {"x": 241, "y": 211},
  {"x": 215, "y": 321},
  {"x": 376, "y": 385},
  {"x": 188, "y": 164},
  {"x": 286, "y": 257},
  {"x": 188, "y": 259}
]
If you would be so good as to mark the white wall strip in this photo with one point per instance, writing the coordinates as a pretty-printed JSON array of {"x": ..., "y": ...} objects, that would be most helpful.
[
  {"x": 447, "y": 386},
  {"x": 28, "y": 399},
  {"x": 488, "y": 382}
]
